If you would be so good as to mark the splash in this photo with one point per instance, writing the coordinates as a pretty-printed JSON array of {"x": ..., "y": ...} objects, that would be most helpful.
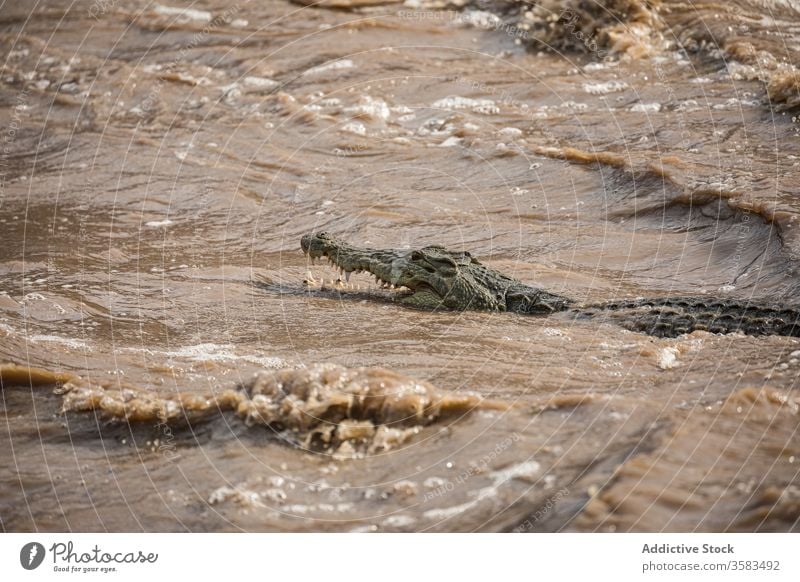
[
  {"x": 749, "y": 34},
  {"x": 346, "y": 411}
]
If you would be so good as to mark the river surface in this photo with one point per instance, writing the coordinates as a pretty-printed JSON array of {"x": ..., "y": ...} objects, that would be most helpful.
[{"x": 160, "y": 163}]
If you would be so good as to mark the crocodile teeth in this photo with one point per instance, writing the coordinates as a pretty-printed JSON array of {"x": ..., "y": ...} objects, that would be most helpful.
[{"x": 347, "y": 276}]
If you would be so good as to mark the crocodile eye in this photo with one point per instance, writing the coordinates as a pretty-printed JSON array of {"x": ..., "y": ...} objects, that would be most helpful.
[
  {"x": 416, "y": 256},
  {"x": 446, "y": 262}
]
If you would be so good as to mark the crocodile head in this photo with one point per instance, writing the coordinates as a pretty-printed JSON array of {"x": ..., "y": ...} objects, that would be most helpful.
[{"x": 435, "y": 277}]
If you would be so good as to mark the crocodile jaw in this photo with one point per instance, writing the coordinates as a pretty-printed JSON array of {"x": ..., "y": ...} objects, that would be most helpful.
[
  {"x": 434, "y": 277},
  {"x": 386, "y": 266}
]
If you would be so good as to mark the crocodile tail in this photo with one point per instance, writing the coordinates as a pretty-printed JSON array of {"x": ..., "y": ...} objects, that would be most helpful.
[{"x": 671, "y": 317}]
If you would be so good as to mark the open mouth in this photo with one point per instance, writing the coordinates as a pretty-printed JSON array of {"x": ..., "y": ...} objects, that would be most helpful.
[{"x": 344, "y": 271}]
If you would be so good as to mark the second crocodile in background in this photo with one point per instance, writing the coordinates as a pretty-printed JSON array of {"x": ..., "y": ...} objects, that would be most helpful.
[{"x": 437, "y": 278}]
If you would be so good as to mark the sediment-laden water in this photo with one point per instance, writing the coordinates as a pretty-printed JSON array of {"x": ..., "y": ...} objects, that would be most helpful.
[{"x": 166, "y": 369}]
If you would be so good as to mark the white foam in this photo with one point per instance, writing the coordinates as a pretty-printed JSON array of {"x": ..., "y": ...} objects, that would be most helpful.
[
  {"x": 32, "y": 297},
  {"x": 354, "y": 127},
  {"x": 479, "y": 19},
  {"x": 646, "y": 108},
  {"x": 688, "y": 106},
  {"x": 334, "y": 66},
  {"x": 485, "y": 106},
  {"x": 742, "y": 72},
  {"x": 159, "y": 223},
  {"x": 64, "y": 341},
  {"x": 243, "y": 497},
  {"x": 436, "y": 127},
  {"x": 372, "y": 108},
  {"x": 526, "y": 470},
  {"x": 605, "y": 88},
  {"x": 668, "y": 358},
  {"x": 399, "y": 521},
  {"x": 275, "y": 495},
  {"x": 447, "y": 512},
  {"x": 434, "y": 482},
  {"x": 260, "y": 82},
  {"x": 185, "y": 13},
  {"x": 211, "y": 352},
  {"x": 450, "y": 142},
  {"x": 511, "y": 132},
  {"x": 598, "y": 66},
  {"x": 574, "y": 106},
  {"x": 552, "y": 331}
]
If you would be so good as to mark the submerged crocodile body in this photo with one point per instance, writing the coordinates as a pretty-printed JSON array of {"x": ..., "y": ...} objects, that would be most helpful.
[{"x": 437, "y": 278}]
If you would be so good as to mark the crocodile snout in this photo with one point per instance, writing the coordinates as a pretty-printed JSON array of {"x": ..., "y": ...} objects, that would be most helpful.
[{"x": 305, "y": 242}]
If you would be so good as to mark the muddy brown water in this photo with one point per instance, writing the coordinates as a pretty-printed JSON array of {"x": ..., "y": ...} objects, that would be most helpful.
[{"x": 160, "y": 163}]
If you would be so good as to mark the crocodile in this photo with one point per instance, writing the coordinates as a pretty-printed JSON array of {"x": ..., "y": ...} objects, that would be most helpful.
[{"x": 434, "y": 278}]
